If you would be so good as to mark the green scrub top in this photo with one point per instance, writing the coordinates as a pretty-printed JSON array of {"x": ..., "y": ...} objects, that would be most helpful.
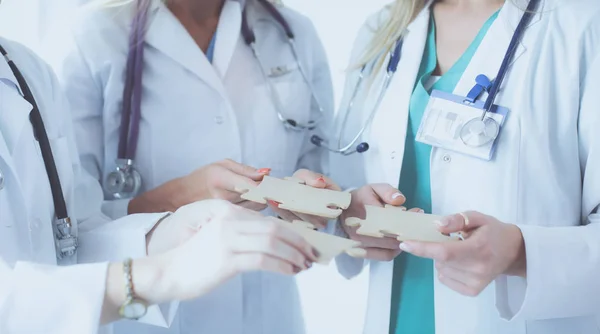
[{"x": 412, "y": 291}]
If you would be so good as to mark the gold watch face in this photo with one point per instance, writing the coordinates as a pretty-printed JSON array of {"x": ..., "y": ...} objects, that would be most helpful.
[{"x": 133, "y": 309}]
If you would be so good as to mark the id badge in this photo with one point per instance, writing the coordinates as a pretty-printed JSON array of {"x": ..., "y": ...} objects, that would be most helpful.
[{"x": 452, "y": 123}]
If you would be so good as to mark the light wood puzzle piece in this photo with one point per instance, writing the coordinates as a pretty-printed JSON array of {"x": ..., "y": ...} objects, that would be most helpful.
[
  {"x": 329, "y": 246},
  {"x": 294, "y": 195},
  {"x": 403, "y": 225}
]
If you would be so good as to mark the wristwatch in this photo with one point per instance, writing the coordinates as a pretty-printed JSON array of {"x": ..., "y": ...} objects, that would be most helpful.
[{"x": 133, "y": 308}]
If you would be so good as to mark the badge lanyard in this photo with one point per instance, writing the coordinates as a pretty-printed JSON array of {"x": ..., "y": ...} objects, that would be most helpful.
[{"x": 478, "y": 135}]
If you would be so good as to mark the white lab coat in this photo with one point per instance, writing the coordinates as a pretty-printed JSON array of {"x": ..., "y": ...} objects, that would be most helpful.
[
  {"x": 545, "y": 176},
  {"x": 36, "y": 296},
  {"x": 194, "y": 114}
]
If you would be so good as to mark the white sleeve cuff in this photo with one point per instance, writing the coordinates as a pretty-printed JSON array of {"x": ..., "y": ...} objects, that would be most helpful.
[
  {"x": 563, "y": 266},
  {"x": 126, "y": 237},
  {"x": 44, "y": 298}
]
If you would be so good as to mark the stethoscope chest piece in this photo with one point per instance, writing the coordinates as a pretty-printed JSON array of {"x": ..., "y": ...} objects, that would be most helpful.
[
  {"x": 478, "y": 132},
  {"x": 124, "y": 182}
]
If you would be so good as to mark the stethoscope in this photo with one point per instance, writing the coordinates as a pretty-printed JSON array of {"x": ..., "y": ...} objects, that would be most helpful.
[
  {"x": 65, "y": 240},
  {"x": 476, "y": 132},
  {"x": 125, "y": 181}
]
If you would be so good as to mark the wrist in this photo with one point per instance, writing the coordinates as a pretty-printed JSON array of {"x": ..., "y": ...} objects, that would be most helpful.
[
  {"x": 149, "y": 280},
  {"x": 518, "y": 266},
  {"x": 165, "y": 198}
]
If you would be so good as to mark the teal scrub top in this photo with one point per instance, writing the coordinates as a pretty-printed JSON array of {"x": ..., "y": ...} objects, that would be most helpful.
[
  {"x": 412, "y": 290},
  {"x": 210, "y": 52}
]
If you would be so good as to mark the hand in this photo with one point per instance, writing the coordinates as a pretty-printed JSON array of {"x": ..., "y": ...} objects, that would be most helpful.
[
  {"x": 380, "y": 249},
  {"x": 227, "y": 242},
  {"x": 314, "y": 180},
  {"x": 215, "y": 181},
  {"x": 491, "y": 248}
]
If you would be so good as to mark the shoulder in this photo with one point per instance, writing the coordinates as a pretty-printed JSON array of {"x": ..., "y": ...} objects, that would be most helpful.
[
  {"x": 41, "y": 80},
  {"x": 577, "y": 15},
  {"x": 302, "y": 26},
  {"x": 93, "y": 28},
  {"x": 36, "y": 72},
  {"x": 575, "y": 24}
]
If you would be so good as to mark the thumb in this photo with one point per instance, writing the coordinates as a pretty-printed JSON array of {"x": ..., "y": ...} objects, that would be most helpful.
[
  {"x": 245, "y": 170},
  {"x": 388, "y": 194},
  {"x": 460, "y": 222}
]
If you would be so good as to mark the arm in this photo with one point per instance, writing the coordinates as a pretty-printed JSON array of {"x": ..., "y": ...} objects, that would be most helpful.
[
  {"x": 51, "y": 294},
  {"x": 349, "y": 267},
  {"x": 99, "y": 238},
  {"x": 312, "y": 157},
  {"x": 571, "y": 253},
  {"x": 84, "y": 91}
]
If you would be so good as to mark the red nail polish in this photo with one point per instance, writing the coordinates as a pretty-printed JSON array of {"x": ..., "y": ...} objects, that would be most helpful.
[
  {"x": 322, "y": 179},
  {"x": 273, "y": 203},
  {"x": 264, "y": 170}
]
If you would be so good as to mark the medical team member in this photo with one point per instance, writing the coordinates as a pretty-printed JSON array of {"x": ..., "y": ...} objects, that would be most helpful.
[
  {"x": 50, "y": 213},
  {"x": 219, "y": 88},
  {"x": 491, "y": 110}
]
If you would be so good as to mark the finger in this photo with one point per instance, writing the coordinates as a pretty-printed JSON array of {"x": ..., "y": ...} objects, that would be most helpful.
[
  {"x": 383, "y": 243},
  {"x": 316, "y": 180},
  {"x": 318, "y": 222},
  {"x": 417, "y": 210},
  {"x": 246, "y": 262},
  {"x": 388, "y": 194},
  {"x": 439, "y": 251},
  {"x": 456, "y": 285},
  {"x": 263, "y": 243},
  {"x": 464, "y": 221},
  {"x": 245, "y": 170},
  {"x": 233, "y": 182},
  {"x": 276, "y": 229},
  {"x": 252, "y": 205},
  {"x": 379, "y": 254},
  {"x": 457, "y": 274},
  {"x": 283, "y": 214}
]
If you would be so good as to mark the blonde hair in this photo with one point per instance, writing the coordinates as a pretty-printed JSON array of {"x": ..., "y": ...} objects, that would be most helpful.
[
  {"x": 397, "y": 17},
  {"x": 118, "y": 3}
]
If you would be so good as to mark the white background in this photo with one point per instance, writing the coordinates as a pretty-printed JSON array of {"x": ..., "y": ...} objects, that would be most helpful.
[{"x": 331, "y": 304}]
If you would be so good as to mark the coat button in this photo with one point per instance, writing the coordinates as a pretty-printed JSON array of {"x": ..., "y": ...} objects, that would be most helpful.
[
  {"x": 1, "y": 180},
  {"x": 447, "y": 158},
  {"x": 393, "y": 155},
  {"x": 219, "y": 119}
]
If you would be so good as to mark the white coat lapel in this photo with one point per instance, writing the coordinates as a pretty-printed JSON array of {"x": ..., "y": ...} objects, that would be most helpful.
[
  {"x": 490, "y": 54},
  {"x": 169, "y": 36},
  {"x": 228, "y": 34},
  {"x": 14, "y": 111},
  {"x": 393, "y": 112}
]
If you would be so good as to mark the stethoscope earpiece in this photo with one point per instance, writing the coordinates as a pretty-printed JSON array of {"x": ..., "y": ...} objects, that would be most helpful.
[{"x": 362, "y": 147}]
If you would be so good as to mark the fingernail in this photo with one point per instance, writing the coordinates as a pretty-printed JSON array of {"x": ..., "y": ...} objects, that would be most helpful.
[
  {"x": 273, "y": 203},
  {"x": 316, "y": 253},
  {"x": 307, "y": 264},
  {"x": 297, "y": 269},
  {"x": 396, "y": 195},
  {"x": 405, "y": 247},
  {"x": 441, "y": 223},
  {"x": 321, "y": 179},
  {"x": 264, "y": 170},
  {"x": 421, "y": 211}
]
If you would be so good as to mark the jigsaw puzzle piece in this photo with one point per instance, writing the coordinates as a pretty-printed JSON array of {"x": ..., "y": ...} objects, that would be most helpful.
[
  {"x": 329, "y": 246},
  {"x": 294, "y": 195},
  {"x": 395, "y": 222}
]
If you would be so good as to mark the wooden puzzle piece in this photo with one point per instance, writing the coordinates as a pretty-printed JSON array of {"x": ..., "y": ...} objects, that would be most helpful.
[
  {"x": 294, "y": 195},
  {"x": 402, "y": 225},
  {"x": 328, "y": 245}
]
